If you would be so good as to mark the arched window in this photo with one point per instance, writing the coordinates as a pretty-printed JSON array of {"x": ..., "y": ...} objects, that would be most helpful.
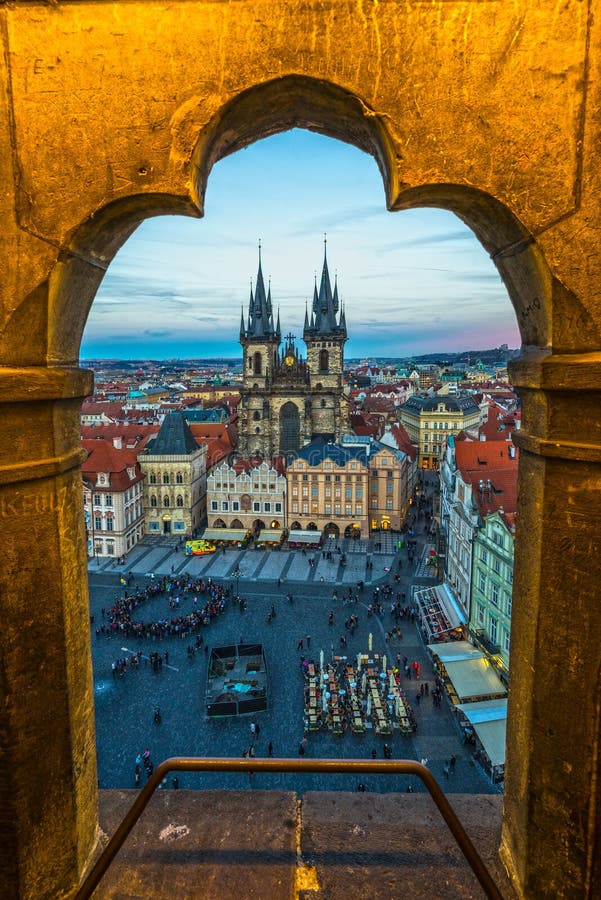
[
  {"x": 153, "y": 478},
  {"x": 324, "y": 360},
  {"x": 153, "y": 501},
  {"x": 250, "y": 363},
  {"x": 258, "y": 363},
  {"x": 179, "y": 501},
  {"x": 179, "y": 478},
  {"x": 166, "y": 501},
  {"x": 323, "y": 403},
  {"x": 166, "y": 478},
  {"x": 256, "y": 415}
]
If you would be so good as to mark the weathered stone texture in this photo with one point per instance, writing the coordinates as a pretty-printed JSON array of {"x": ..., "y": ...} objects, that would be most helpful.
[{"x": 111, "y": 112}]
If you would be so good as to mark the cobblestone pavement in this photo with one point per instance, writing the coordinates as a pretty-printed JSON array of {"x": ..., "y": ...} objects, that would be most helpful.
[{"x": 124, "y": 704}]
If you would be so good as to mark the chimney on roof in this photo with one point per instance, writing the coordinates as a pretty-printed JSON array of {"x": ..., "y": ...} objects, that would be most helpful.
[
  {"x": 117, "y": 442},
  {"x": 511, "y": 450}
]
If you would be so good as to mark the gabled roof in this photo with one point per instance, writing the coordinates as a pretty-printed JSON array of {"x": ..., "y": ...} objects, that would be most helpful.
[
  {"x": 173, "y": 439},
  {"x": 104, "y": 457}
]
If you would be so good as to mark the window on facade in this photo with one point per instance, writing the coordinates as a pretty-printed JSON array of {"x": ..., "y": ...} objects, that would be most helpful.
[
  {"x": 493, "y": 630},
  {"x": 97, "y": 500},
  {"x": 295, "y": 492},
  {"x": 484, "y": 555},
  {"x": 390, "y": 488},
  {"x": 374, "y": 502},
  {"x": 305, "y": 507},
  {"x": 358, "y": 493},
  {"x": 295, "y": 507},
  {"x": 305, "y": 477},
  {"x": 328, "y": 493},
  {"x": 236, "y": 505},
  {"x": 494, "y": 593},
  {"x": 480, "y": 614},
  {"x": 109, "y": 524},
  {"x": 166, "y": 478},
  {"x": 508, "y": 603},
  {"x": 323, "y": 360},
  {"x": 108, "y": 499},
  {"x": 256, "y": 506},
  {"x": 337, "y": 493},
  {"x": 389, "y": 473},
  {"x": 153, "y": 501},
  {"x": 110, "y": 548},
  {"x": 214, "y": 505},
  {"x": 153, "y": 526},
  {"x": 506, "y": 640},
  {"x": 348, "y": 510},
  {"x": 179, "y": 501},
  {"x": 257, "y": 362},
  {"x": 166, "y": 501},
  {"x": 267, "y": 507},
  {"x": 328, "y": 509},
  {"x": 389, "y": 504},
  {"x": 337, "y": 509},
  {"x": 328, "y": 477},
  {"x": 496, "y": 565},
  {"x": 481, "y": 582},
  {"x": 278, "y": 507},
  {"x": 97, "y": 523},
  {"x": 336, "y": 477},
  {"x": 256, "y": 415},
  {"x": 179, "y": 526},
  {"x": 179, "y": 478},
  {"x": 359, "y": 509}
]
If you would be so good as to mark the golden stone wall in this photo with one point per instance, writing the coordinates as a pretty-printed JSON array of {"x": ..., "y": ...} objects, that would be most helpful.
[{"x": 111, "y": 112}]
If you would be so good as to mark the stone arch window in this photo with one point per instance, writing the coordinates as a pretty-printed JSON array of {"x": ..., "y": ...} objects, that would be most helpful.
[
  {"x": 179, "y": 500},
  {"x": 153, "y": 501},
  {"x": 256, "y": 415},
  {"x": 250, "y": 363},
  {"x": 166, "y": 478},
  {"x": 166, "y": 501},
  {"x": 257, "y": 363},
  {"x": 257, "y": 430},
  {"x": 324, "y": 361},
  {"x": 179, "y": 478},
  {"x": 323, "y": 404},
  {"x": 153, "y": 478}
]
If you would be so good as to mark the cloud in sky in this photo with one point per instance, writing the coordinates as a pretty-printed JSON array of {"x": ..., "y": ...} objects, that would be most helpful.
[{"x": 412, "y": 282}]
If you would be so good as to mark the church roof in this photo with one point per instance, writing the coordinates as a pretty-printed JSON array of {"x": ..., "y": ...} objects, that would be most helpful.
[
  {"x": 260, "y": 311},
  {"x": 325, "y": 308},
  {"x": 173, "y": 439}
]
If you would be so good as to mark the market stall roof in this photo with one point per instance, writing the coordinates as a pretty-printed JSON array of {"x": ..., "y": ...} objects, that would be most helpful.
[
  {"x": 474, "y": 678},
  {"x": 270, "y": 535},
  {"x": 489, "y": 719},
  {"x": 225, "y": 534},
  {"x": 455, "y": 651},
  {"x": 484, "y": 710},
  {"x": 304, "y": 537}
]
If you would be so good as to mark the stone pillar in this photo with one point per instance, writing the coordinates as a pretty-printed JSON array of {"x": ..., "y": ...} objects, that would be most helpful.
[
  {"x": 48, "y": 777},
  {"x": 552, "y": 806}
]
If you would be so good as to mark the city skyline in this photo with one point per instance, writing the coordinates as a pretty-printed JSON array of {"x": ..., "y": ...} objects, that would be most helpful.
[{"x": 412, "y": 282}]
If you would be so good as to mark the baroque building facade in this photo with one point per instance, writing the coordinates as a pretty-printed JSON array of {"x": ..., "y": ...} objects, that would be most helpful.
[{"x": 287, "y": 401}]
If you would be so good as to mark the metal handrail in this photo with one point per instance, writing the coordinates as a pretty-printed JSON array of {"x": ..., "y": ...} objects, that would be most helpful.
[{"x": 326, "y": 766}]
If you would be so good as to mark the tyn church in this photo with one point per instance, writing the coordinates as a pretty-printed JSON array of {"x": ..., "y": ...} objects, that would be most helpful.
[{"x": 287, "y": 401}]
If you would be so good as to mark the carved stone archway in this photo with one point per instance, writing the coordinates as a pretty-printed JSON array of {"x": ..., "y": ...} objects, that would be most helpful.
[{"x": 128, "y": 135}]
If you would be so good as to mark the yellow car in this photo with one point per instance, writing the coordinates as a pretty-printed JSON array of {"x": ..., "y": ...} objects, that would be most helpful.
[{"x": 199, "y": 548}]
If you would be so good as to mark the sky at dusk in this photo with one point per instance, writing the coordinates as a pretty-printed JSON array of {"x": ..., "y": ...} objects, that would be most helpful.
[{"x": 412, "y": 282}]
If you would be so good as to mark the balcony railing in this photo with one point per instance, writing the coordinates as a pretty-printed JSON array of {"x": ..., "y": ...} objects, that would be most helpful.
[{"x": 324, "y": 766}]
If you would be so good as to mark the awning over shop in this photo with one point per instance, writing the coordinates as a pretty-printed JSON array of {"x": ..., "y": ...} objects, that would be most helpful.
[
  {"x": 455, "y": 651},
  {"x": 489, "y": 721},
  {"x": 304, "y": 537},
  {"x": 438, "y": 611},
  {"x": 270, "y": 536},
  {"x": 225, "y": 534},
  {"x": 474, "y": 678}
]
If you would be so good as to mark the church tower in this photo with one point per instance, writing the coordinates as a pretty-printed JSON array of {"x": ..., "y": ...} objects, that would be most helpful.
[
  {"x": 260, "y": 340},
  {"x": 325, "y": 336}
]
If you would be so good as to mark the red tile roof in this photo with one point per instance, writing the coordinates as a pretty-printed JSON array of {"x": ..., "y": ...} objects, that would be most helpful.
[{"x": 104, "y": 457}]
